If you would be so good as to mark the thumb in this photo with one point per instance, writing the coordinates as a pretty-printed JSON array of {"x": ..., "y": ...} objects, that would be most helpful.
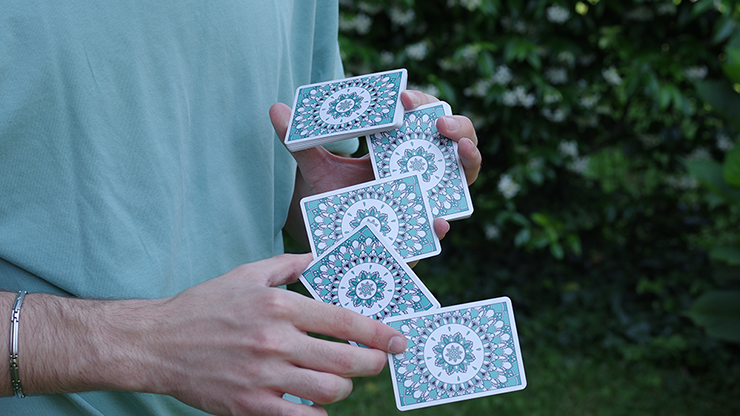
[{"x": 307, "y": 159}]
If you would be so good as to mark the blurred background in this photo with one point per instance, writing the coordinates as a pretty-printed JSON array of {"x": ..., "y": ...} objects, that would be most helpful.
[{"x": 608, "y": 205}]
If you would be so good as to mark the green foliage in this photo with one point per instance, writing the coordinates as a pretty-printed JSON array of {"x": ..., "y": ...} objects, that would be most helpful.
[{"x": 600, "y": 123}]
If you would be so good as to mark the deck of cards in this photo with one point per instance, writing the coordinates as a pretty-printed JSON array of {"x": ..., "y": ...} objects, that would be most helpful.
[{"x": 363, "y": 236}]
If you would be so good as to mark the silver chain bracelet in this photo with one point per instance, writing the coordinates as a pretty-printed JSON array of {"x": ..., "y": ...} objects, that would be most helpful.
[{"x": 15, "y": 378}]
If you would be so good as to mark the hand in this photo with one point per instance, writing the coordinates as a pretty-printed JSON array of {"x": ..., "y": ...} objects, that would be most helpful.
[
  {"x": 323, "y": 171},
  {"x": 235, "y": 344}
]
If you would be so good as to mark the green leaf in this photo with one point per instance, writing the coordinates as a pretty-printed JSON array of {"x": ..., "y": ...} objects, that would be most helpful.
[
  {"x": 709, "y": 173},
  {"x": 721, "y": 96},
  {"x": 727, "y": 254},
  {"x": 719, "y": 313},
  {"x": 557, "y": 251},
  {"x": 574, "y": 242},
  {"x": 540, "y": 219},
  {"x": 701, "y": 7},
  {"x": 731, "y": 167},
  {"x": 723, "y": 28},
  {"x": 522, "y": 237}
]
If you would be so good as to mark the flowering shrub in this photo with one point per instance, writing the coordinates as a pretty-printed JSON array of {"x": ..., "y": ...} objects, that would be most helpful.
[{"x": 586, "y": 112}]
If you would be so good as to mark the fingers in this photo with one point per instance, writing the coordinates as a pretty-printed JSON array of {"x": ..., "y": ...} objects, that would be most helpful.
[
  {"x": 470, "y": 158},
  {"x": 412, "y": 99},
  {"x": 441, "y": 227},
  {"x": 339, "y": 358},
  {"x": 280, "y": 118},
  {"x": 319, "y": 387},
  {"x": 457, "y": 128},
  {"x": 338, "y": 322},
  {"x": 275, "y": 271}
]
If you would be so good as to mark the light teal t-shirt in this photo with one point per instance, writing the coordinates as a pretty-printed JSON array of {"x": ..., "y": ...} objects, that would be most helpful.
[{"x": 137, "y": 157}]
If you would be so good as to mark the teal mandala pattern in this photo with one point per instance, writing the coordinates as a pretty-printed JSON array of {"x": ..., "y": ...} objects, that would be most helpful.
[
  {"x": 453, "y": 353},
  {"x": 456, "y": 354},
  {"x": 366, "y": 289},
  {"x": 418, "y": 161},
  {"x": 346, "y": 105},
  {"x": 361, "y": 274},
  {"x": 395, "y": 207},
  {"x": 375, "y": 217},
  {"x": 418, "y": 147}
]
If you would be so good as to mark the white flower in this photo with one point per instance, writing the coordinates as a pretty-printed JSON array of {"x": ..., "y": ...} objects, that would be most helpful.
[
  {"x": 699, "y": 153},
  {"x": 502, "y": 76},
  {"x": 536, "y": 163},
  {"x": 724, "y": 143},
  {"x": 508, "y": 187},
  {"x": 363, "y": 23},
  {"x": 569, "y": 148},
  {"x": 611, "y": 76},
  {"x": 557, "y": 14},
  {"x": 696, "y": 73},
  {"x": 470, "y": 53},
  {"x": 566, "y": 57},
  {"x": 682, "y": 183},
  {"x": 556, "y": 116},
  {"x": 556, "y": 75},
  {"x": 401, "y": 17},
  {"x": 447, "y": 64},
  {"x": 360, "y": 23},
  {"x": 525, "y": 99},
  {"x": 492, "y": 232},
  {"x": 552, "y": 97},
  {"x": 589, "y": 101},
  {"x": 578, "y": 165},
  {"x": 386, "y": 58},
  {"x": 417, "y": 51},
  {"x": 518, "y": 96},
  {"x": 479, "y": 88},
  {"x": 509, "y": 98}
]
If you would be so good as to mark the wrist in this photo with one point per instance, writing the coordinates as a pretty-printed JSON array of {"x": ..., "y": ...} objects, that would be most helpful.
[{"x": 72, "y": 345}]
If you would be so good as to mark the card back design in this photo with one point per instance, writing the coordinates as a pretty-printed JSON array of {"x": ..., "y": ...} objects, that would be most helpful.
[
  {"x": 351, "y": 107},
  {"x": 457, "y": 353},
  {"x": 418, "y": 147},
  {"x": 395, "y": 207},
  {"x": 362, "y": 274}
]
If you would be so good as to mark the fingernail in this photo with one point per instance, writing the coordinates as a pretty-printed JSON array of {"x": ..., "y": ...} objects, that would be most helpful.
[
  {"x": 450, "y": 124},
  {"x": 397, "y": 345}
]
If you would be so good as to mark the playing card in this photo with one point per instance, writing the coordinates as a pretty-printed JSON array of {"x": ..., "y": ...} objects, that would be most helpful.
[
  {"x": 396, "y": 207},
  {"x": 361, "y": 273},
  {"x": 418, "y": 147},
  {"x": 457, "y": 353},
  {"x": 331, "y": 111}
]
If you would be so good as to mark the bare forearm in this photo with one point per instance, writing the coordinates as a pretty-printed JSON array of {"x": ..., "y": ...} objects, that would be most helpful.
[{"x": 70, "y": 345}]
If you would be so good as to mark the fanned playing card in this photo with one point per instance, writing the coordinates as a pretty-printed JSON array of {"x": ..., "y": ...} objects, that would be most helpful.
[
  {"x": 330, "y": 111},
  {"x": 395, "y": 207},
  {"x": 361, "y": 273},
  {"x": 457, "y": 353},
  {"x": 418, "y": 147}
]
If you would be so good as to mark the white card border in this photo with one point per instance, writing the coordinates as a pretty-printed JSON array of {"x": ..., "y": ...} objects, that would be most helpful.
[
  {"x": 394, "y": 253},
  {"x": 427, "y": 209},
  {"x": 302, "y": 144},
  {"x": 466, "y": 189},
  {"x": 517, "y": 348}
]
